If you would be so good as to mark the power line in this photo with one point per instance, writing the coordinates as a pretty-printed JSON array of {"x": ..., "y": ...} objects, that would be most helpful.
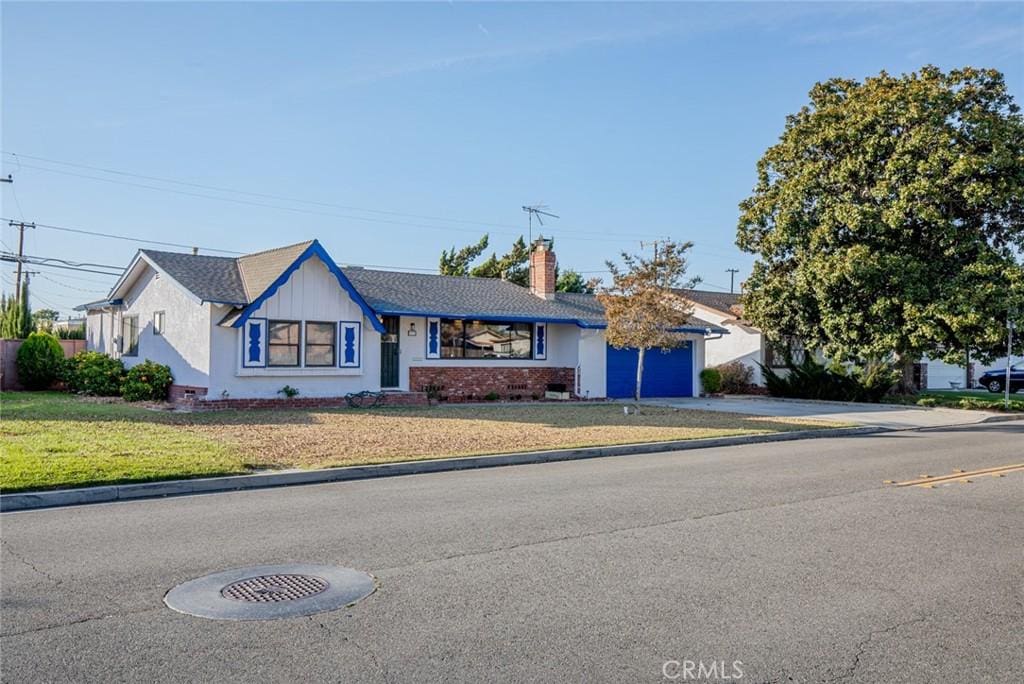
[
  {"x": 485, "y": 225},
  {"x": 114, "y": 236},
  {"x": 70, "y": 287},
  {"x": 67, "y": 262},
  {"x": 215, "y": 188},
  {"x": 7, "y": 256}
]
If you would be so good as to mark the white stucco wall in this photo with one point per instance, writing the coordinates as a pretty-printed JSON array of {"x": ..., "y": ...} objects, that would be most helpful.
[
  {"x": 312, "y": 293},
  {"x": 100, "y": 332},
  {"x": 593, "y": 359},
  {"x": 741, "y": 344},
  {"x": 700, "y": 352},
  {"x": 185, "y": 344}
]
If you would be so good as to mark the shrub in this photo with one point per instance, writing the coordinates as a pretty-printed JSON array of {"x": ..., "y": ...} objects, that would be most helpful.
[
  {"x": 812, "y": 380},
  {"x": 736, "y": 377},
  {"x": 289, "y": 392},
  {"x": 711, "y": 379},
  {"x": 89, "y": 372},
  {"x": 491, "y": 396},
  {"x": 40, "y": 360},
  {"x": 147, "y": 381}
]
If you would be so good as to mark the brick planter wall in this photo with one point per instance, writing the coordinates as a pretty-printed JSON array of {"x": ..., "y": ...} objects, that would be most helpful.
[
  {"x": 284, "y": 403},
  {"x": 473, "y": 383},
  {"x": 177, "y": 392}
]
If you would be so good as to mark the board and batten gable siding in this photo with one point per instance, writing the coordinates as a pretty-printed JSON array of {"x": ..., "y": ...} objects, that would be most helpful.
[
  {"x": 311, "y": 293},
  {"x": 184, "y": 345},
  {"x": 560, "y": 340}
]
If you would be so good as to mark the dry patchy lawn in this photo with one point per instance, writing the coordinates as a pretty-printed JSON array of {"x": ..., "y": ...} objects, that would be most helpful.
[
  {"x": 55, "y": 440},
  {"x": 326, "y": 438}
]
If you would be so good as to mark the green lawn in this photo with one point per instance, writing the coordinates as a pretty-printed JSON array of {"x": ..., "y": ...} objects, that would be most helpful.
[
  {"x": 965, "y": 399},
  {"x": 57, "y": 440}
]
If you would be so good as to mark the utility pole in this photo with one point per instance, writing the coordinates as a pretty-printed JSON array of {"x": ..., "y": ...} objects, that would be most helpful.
[
  {"x": 732, "y": 279},
  {"x": 21, "y": 254},
  {"x": 643, "y": 245},
  {"x": 1009, "y": 356}
]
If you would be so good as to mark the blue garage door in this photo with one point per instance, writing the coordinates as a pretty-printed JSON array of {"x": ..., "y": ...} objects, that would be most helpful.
[{"x": 665, "y": 374}]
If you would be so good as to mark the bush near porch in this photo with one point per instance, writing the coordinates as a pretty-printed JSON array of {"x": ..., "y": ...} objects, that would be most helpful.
[{"x": 58, "y": 440}]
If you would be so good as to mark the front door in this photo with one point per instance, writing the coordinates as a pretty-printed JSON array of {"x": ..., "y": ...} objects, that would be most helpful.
[{"x": 389, "y": 353}]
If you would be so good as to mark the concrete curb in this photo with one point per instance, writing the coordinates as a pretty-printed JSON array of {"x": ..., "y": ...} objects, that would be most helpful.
[{"x": 105, "y": 494}]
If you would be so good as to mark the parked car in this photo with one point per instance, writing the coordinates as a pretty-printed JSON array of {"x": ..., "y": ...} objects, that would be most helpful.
[{"x": 995, "y": 379}]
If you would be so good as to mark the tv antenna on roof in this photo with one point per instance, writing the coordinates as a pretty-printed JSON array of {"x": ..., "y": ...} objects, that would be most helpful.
[{"x": 537, "y": 210}]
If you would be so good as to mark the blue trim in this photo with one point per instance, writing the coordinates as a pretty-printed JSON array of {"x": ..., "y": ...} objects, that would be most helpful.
[
  {"x": 247, "y": 343},
  {"x": 350, "y": 347},
  {"x": 532, "y": 319},
  {"x": 483, "y": 317},
  {"x": 314, "y": 249}
]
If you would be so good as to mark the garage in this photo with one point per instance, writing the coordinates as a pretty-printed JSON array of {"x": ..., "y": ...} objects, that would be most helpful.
[{"x": 666, "y": 374}]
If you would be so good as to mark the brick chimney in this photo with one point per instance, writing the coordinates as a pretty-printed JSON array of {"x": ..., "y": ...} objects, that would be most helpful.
[{"x": 542, "y": 269}]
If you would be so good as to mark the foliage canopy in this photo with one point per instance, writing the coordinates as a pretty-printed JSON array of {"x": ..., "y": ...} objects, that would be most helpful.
[{"x": 889, "y": 216}]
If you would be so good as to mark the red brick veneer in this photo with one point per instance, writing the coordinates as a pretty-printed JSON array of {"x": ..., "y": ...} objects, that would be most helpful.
[{"x": 454, "y": 383}]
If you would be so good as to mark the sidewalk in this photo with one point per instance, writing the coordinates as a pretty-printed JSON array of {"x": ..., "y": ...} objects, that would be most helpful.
[{"x": 887, "y": 416}]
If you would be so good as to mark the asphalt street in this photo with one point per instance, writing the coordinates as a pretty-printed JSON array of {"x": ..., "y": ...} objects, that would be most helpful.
[{"x": 792, "y": 559}]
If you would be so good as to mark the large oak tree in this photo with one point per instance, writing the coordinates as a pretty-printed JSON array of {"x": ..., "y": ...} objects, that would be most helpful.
[{"x": 889, "y": 218}]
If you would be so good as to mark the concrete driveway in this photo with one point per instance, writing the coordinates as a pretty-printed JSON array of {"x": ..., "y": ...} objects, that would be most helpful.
[{"x": 876, "y": 415}]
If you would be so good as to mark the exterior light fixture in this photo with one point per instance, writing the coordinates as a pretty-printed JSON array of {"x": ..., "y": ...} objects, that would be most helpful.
[{"x": 412, "y": 330}]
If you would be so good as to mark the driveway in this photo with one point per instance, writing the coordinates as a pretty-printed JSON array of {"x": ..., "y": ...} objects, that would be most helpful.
[
  {"x": 793, "y": 559},
  {"x": 875, "y": 415}
]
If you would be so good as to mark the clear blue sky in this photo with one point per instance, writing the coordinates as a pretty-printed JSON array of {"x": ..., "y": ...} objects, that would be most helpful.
[{"x": 632, "y": 121}]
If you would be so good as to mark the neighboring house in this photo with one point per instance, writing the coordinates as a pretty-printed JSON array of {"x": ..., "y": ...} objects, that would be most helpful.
[
  {"x": 744, "y": 343},
  {"x": 936, "y": 374},
  {"x": 69, "y": 324},
  {"x": 244, "y": 328},
  {"x": 748, "y": 345}
]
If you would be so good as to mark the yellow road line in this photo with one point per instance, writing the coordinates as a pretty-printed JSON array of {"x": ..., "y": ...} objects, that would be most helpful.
[{"x": 961, "y": 475}]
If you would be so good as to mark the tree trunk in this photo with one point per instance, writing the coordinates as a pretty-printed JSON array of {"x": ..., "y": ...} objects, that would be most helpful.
[
  {"x": 639, "y": 371},
  {"x": 906, "y": 384}
]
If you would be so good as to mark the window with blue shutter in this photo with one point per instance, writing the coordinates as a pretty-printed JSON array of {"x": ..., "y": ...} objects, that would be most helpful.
[
  {"x": 254, "y": 343},
  {"x": 350, "y": 336},
  {"x": 540, "y": 341},
  {"x": 433, "y": 338}
]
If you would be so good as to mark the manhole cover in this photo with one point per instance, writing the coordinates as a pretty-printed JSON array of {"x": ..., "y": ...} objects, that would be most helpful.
[
  {"x": 269, "y": 592},
  {"x": 274, "y": 588}
]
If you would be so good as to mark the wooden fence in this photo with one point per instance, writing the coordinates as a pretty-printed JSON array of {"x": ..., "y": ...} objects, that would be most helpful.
[{"x": 9, "y": 355}]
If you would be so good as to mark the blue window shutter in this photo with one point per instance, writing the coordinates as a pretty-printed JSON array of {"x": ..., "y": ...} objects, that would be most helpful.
[
  {"x": 540, "y": 341},
  {"x": 254, "y": 343},
  {"x": 433, "y": 338},
  {"x": 349, "y": 341}
]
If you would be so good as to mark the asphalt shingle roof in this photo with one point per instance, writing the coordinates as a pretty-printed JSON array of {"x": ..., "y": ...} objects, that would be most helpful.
[
  {"x": 228, "y": 280},
  {"x": 261, "y": 269},
  {"x": 726, "y": 302},
  {"x": 211, "y": 278}
]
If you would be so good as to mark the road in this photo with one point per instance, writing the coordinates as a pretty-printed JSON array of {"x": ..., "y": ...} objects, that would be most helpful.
[{"x": 793, "y": 559}]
